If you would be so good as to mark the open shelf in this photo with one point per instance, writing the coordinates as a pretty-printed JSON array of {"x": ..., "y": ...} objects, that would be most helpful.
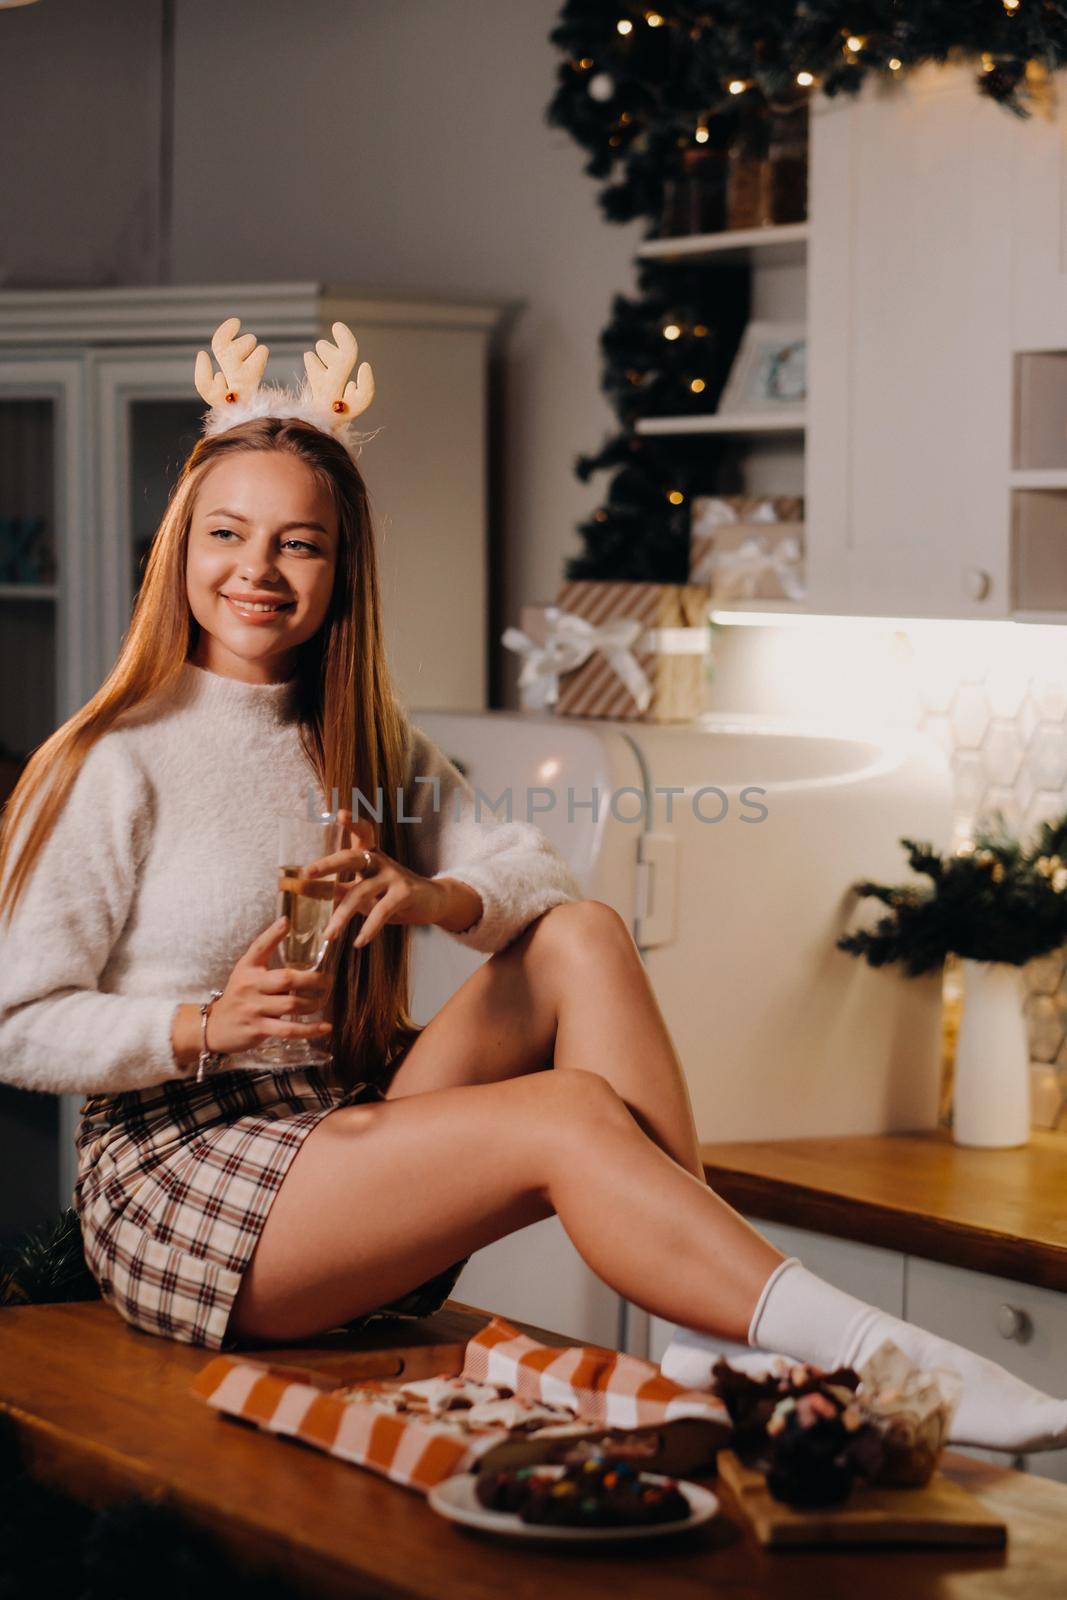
[
  {"x": 789, "y": 420},
  {"x": 29, "y": 591},
  {"x": 1039, "y": 444},
  {"x": 1044, "y": 617},
  {"x": 777, "y": 603},
  {"x": 1039, "y": 478},
  {"x": 786, "y": 244},
  {"x": 757, "y": 452},
  {"x": 1039, "y": 550}
]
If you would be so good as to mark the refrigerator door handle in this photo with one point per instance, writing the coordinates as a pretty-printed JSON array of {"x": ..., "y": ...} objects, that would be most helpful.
[{"x": 654, "y": 917}]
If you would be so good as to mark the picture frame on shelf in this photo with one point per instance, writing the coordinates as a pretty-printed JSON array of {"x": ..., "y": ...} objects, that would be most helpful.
[{"x": 770, "y": 369}]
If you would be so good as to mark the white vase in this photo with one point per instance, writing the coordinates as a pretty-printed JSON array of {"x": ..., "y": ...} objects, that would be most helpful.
[{"x": 991, "y": 1100}]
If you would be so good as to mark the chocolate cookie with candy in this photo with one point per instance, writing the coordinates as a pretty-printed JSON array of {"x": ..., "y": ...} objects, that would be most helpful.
[{"x": 596, "y": 1493}]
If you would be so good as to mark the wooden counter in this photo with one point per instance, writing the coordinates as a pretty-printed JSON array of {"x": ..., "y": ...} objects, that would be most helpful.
[
  {"x": 997, "y": 1211},
  {"x": 103, "y": 1410}
]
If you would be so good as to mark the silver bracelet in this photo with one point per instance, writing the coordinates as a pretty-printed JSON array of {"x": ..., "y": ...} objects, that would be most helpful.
[{"x": 209, "y": 1060}]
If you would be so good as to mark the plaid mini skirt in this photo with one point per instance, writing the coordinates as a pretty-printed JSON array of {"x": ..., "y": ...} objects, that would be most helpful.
[{"x": 174, "y": 1184}]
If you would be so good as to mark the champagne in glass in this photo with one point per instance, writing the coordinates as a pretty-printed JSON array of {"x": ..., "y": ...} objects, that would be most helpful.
[{"x": 308, "y": 903}]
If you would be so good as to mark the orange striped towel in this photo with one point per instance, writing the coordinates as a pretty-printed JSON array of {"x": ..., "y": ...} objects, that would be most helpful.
[{"x": 600, "y": 1386}]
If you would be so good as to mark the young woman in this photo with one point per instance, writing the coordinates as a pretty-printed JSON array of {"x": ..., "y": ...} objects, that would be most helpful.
[{"x": 137, "y": 861}]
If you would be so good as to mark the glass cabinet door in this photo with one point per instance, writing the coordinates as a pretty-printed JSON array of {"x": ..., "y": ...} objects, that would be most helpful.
[{"x": 46, "y": 629}]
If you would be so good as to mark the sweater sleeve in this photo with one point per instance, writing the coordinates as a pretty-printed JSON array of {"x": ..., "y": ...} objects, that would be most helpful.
[
  {"x": 58, "y": 1031},
  {"x": 517, "y": 871}
]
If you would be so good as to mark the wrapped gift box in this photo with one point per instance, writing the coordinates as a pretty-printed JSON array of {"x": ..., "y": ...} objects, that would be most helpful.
[
  {"x": 748, "y": 547},
  {"x": 669, "y": 650}
]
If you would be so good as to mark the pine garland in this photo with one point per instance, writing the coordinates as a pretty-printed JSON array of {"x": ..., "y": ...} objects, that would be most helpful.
[
  {"x": 47, "y": 1265},
  {"x": 633, "y": 99},
  {"x": 993, "y": 901}
]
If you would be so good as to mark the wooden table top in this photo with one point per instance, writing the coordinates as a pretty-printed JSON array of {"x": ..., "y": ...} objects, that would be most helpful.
[
  {"x": 104, "y": 1410},
  {"x": 997, "y": 1211}
]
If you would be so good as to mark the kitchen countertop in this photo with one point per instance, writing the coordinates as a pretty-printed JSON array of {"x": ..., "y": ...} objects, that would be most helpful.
[
  {"x": 998, "y": 1211},
  {"x": 102, "y": 1410}
]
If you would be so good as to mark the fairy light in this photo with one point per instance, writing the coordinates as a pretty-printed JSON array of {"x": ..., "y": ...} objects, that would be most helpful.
[
  {"x": 699, "y": 331},
  {"x": 701, "y": 136},
  {"x": 1010, "y": 6},
  {"x": 653, "y": 19},
  {"x": 895, "y": 63},
  {"x": 624, "y": 26},
  {"x": 585, "y": 63},
  {"x": 672, "y": 331},
  {"x": 737, "y": 86},
  {"x": 676, "y": 497},
  {"x": 854, "y": 43},
  {"x": 987, "y": 62},
  {"x": 805, "y": 79},
  {"x": 698, "y": 385}
]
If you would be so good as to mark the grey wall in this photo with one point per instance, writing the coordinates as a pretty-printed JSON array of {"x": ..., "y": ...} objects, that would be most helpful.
[
  {"x": 395, "y": 146},
  {"x": 80, "y": 142}
]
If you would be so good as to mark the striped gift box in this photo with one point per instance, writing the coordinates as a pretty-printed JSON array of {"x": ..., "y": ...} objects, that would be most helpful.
[
  {"x": 728, "y": 536},
  {"x": 678, "y": 679},
  {"x": 602, "y": 1387}
]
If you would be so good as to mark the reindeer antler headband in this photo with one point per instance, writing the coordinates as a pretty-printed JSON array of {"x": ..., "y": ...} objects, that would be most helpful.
[{"x": 327, "y": 398}]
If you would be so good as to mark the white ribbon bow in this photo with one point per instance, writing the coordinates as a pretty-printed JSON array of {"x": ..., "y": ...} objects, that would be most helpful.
[
  {"x": 736, "y": 573},
  {"x": 569, "y": 642},
  {"x": 719, "y": 513}
]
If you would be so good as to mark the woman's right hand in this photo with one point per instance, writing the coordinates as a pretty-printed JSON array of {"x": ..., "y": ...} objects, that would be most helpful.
[{"x": 261, "y": 1002}]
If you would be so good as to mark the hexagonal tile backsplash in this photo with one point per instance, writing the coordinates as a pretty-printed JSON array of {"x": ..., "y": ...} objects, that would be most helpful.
[
  {"x": 1006, "y": 738},
  {"x": 994, "y": 696}
]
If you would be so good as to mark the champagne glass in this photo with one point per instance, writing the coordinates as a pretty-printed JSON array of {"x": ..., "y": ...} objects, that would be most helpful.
[{"x": 308, "y": 903}]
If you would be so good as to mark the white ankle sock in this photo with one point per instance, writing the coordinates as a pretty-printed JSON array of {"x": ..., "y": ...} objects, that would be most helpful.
[{"x": 806, "y": 1318}]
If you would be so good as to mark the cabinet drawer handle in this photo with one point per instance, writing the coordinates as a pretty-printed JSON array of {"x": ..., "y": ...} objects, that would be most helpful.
[
  {"x": 1014, "y": 1323},
  {"x": 977, "y": 583}
]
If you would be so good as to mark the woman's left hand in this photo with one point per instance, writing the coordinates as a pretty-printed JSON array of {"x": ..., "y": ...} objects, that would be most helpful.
[{"x": 382, "y": 891}]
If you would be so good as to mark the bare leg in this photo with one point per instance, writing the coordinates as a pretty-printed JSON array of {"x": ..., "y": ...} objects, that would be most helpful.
[
  {"x": 381, "y": 1197},
  {"x": 571, "y": 991}
]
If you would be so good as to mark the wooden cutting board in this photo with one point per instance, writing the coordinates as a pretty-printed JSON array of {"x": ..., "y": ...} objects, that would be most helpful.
[{"x": 941, "y": 1513}]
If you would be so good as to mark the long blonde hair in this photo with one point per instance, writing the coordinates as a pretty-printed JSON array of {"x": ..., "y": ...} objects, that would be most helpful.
[{"x": 351, "y": 728}]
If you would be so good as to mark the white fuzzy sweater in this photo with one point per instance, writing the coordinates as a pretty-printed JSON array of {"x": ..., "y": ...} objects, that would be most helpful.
[{"x": 161, "y": 871}]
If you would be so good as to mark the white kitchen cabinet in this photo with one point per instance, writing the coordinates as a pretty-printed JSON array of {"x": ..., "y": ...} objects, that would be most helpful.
[
  {"x": 1021, "y": 1326},
  {"x": 46, "y": 641},
  {"x": 98, "y": 410},
  {"x": 910, "y": 407},
  {"x": 932, "y": 273},
  {"x": 536, "y": 1275}
]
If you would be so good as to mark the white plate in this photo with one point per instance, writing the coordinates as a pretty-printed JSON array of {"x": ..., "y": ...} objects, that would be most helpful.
[{"x": 455, "y": 1499}]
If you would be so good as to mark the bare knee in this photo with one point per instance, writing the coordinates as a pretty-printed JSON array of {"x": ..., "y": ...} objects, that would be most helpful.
[
  {"x": 580, "y": 928},
  {"x": 575, "y": 1105}
]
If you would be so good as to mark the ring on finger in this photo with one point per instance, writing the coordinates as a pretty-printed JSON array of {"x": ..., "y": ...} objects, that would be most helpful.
[{"x": 369, "y": 868}]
